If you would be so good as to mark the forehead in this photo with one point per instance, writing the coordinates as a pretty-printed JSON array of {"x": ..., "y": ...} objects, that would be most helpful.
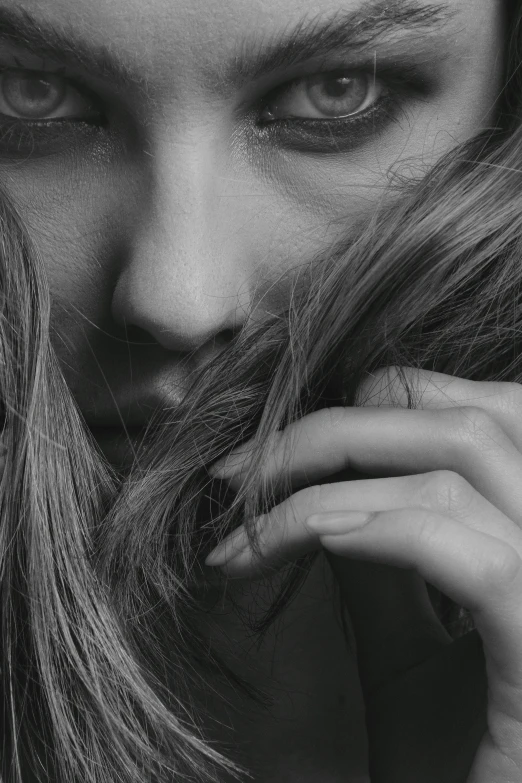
[
  {"x": 208, "y": 19},
  {"x": 175, "y": 40}
]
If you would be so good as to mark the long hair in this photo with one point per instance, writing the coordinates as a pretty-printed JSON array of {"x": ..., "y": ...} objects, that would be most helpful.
[{"x": 101, "y": 656}]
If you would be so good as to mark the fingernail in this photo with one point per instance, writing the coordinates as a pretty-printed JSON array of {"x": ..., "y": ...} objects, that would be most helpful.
[
  {"x": 224, "y": 468},
  {"x": 231, "y": 464},
  {"x": 336, "y": 522},
  {"x": 216, "y": 469},
  {"x": 228, "y": 549}
]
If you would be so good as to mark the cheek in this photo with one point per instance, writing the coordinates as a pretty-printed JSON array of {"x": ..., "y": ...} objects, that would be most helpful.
[
  {"x": 77, "y": 222},
  {"x": 281, "y": 236},
  {"x": 74, "y": 220},
  {"x": 299, "y": 206},
  {"x": 324, "y": 196},
  {"x": 316, "y": 202}
]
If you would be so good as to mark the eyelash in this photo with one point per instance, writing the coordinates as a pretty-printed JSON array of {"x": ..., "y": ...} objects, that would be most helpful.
[
  {"x": 334, "y": 134},
  {"x": 298, "y": 133},
  {"x": 29, "y": 133},
  {"x": 344, "y": 133}
]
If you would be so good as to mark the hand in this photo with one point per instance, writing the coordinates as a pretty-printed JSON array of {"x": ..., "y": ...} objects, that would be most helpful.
[{"x": 449, "y": 511}]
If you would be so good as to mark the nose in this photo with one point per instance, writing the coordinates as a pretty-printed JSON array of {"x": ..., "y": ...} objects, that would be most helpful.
[{"x": 185, "y": 276}]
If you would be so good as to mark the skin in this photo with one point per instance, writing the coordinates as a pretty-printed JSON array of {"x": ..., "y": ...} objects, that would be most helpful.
[
  {"x": 165, "y": 232},
  {"x": 451, "y": 513}
]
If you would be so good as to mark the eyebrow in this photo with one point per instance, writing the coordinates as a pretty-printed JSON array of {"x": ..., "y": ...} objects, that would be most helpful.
[
  {"x": 369, "y": 24},
  {"x": 21, "y": 29}
]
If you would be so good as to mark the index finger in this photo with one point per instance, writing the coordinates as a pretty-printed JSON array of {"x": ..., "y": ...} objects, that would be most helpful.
[
  {"x": 315, "y": 446},
  {"x": 406, "y": 387}
]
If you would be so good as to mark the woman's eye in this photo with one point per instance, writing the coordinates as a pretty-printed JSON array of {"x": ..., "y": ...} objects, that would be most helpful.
[
  {"x": 325, "y": 96},
  {"x": 39, "y": 96}
]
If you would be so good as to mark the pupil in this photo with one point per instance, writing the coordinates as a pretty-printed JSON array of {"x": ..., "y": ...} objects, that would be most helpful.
[
  {"x": 336, "y": 88},
  {"x": 32, "y": 96},
  {"x": 35, "y": 90}
]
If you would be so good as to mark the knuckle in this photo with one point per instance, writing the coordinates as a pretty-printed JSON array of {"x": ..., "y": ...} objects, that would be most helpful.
[
  {"x": 311, "y": 500},
  {"x": 383, "y": 387},
  {"x": 421, "y": 531},
  {"x": 500, "y": 568},
  {"x": 330, "y": 420},
  {"x": 476, "y": 427},
  {"x": 509, "y": 397},
  {"x": 446, "y": 491}
]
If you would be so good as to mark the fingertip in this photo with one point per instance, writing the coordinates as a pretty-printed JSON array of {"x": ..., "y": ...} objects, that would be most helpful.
[
  {"x": 218, "y": 471},
  {"x": 228, "y": 467},
  {"x": 216, "y": 558},
  {"x": 337, "y": 523},
  {"x": 229, "y": 549}
]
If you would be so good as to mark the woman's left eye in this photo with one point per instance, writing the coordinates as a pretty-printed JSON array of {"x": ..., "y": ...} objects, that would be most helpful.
[
  {"x": 37, "y": 96},
  {"x": 327, "y": 96}
]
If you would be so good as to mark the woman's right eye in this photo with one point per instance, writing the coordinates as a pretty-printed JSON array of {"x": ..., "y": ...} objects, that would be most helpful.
[{"x": 41, "y": 97}]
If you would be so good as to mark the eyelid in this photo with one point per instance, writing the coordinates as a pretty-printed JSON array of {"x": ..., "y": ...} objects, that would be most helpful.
[
  {"x": 404, "y": 83},
  {"x": 75, "y": 82},
  {"x": 399, "y": 73},
  {"x": 283, "y": 94},
  {"x": 332, "y": 136}
]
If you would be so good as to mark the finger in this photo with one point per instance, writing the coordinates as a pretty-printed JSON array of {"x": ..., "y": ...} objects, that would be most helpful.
[
  {"x": 370, "y": 606},
  {"x": 390, "y": 609},
  {"x": 405, "y": 387},
  {"x": 477, "y": 570},
  {"x": 392, "y": 441},
  {"x": 296, "y": 453},
  {"x": 458, "y": 560},
  {"x": 283, "y": 533}
]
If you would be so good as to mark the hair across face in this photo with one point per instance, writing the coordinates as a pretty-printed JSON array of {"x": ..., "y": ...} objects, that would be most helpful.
[
  {"x": 177, "y": 163},
  {"x": 185, "y": 174}
]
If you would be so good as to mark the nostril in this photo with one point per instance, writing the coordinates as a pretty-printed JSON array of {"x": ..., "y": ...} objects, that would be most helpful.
[
  {"x": 134, "y": 335},
  {"x": 214, "y": 346},
  {"x": 227, "y": 335}
]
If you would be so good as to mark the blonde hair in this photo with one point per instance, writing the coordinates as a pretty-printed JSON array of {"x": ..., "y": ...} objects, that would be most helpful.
[{"x": 100, "y": 654}]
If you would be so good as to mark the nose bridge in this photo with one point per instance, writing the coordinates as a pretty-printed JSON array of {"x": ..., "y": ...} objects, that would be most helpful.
[{"x": 184, "y": 279}]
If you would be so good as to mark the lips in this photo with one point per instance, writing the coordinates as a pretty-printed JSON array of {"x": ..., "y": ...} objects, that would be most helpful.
[{"x": 119, "y": 429}]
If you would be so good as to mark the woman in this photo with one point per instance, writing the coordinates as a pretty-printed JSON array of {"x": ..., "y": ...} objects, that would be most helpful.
[{"x": 247, "y": 226}]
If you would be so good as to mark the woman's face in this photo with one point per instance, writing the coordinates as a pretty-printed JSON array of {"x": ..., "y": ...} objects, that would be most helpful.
[{"x": 176, "y": 159}]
